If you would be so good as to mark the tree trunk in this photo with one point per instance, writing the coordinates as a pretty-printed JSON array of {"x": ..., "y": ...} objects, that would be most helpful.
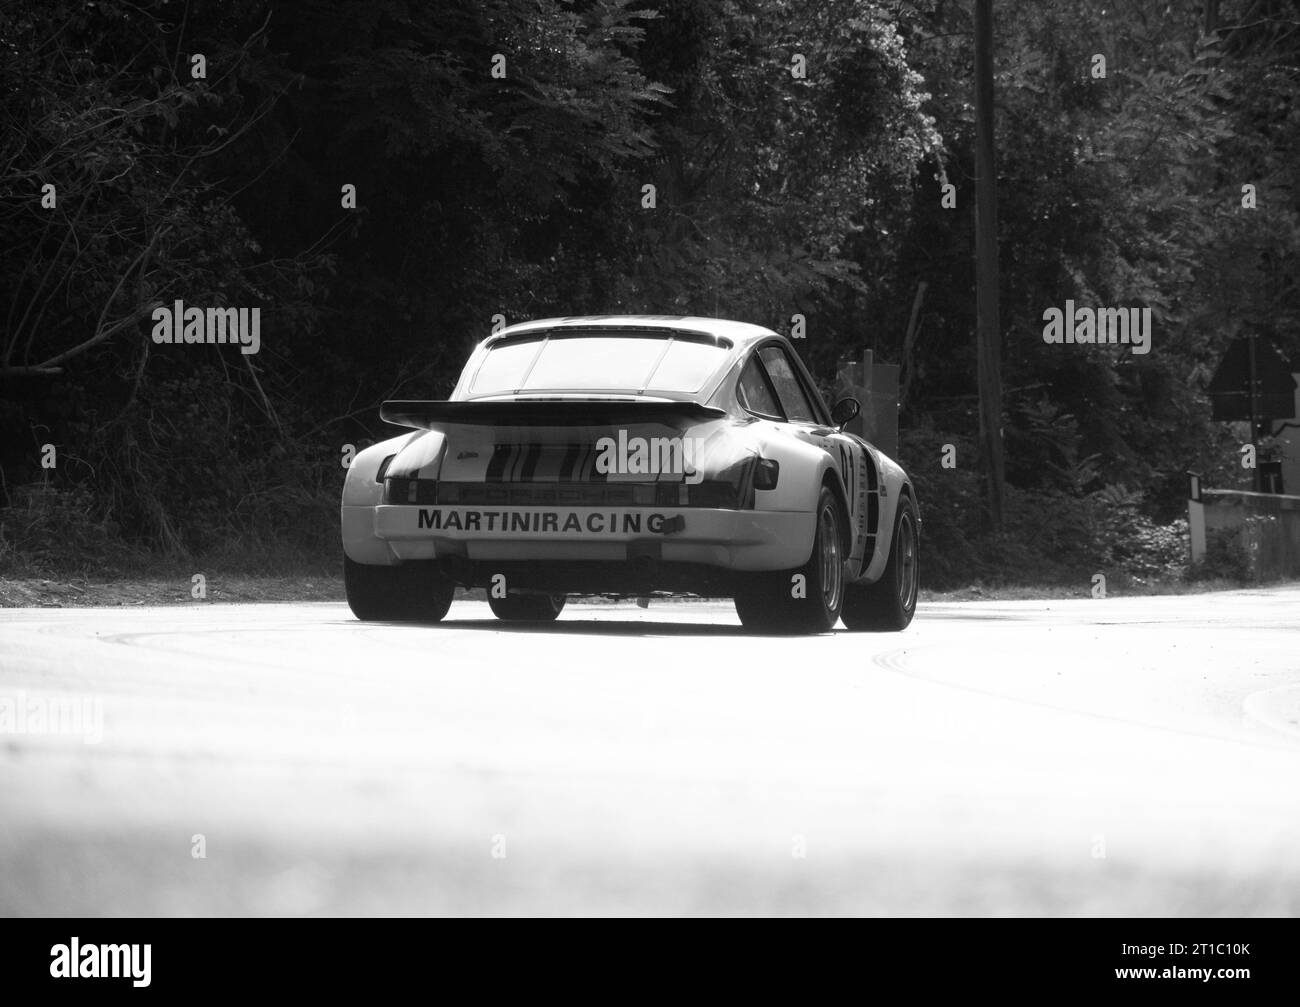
[{"x": 988, "y": 332}]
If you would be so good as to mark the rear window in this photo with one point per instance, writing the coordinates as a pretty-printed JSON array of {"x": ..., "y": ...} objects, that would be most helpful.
[{"x": 626, "y": 363}]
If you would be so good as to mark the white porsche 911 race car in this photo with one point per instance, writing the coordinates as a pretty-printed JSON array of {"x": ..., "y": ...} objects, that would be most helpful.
[{"x": 632, "y": 456}]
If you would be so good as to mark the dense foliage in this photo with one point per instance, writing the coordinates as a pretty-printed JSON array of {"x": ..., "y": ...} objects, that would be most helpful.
[{"x": 522, "y": 195}]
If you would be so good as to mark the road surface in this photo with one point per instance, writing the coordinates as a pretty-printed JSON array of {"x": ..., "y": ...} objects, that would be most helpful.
[{"x": 1117, "y": 757}]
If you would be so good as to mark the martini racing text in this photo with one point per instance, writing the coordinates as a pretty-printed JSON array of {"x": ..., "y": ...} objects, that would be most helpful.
[{"x": 540, "y": 522}]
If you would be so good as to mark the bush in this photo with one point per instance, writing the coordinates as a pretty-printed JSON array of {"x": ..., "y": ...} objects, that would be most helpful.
[
  {"x": 1049, "y": 536},
  {"x": 47, "y": 529},
  {"x": 1128, "y": 542},
  {"x": 1226, "y": 558}
]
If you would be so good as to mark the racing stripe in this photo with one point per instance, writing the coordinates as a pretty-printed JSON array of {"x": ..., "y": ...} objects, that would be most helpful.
[
  {"x": 507, "y": 460},
  {"x": 569, "y": 462},
  {"x": 587, "y": 466},
  {"x": 497, "y": 466},
  {"x": 529, "y": 466},
  {"x": 516, "y": 462},
  {"x": 549, "y": 460}
]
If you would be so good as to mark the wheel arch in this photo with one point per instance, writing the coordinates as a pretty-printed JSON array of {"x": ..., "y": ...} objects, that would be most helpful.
[
  {"x": 831, "y": 479},
  {"x": 908, "y": 491}
]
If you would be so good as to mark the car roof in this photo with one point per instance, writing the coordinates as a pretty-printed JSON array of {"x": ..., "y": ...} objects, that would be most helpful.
[{"x": 740, "y": 333}]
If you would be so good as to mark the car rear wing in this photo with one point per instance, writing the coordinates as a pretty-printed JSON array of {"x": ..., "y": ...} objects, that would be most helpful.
[{"x": 541, "y": 413}]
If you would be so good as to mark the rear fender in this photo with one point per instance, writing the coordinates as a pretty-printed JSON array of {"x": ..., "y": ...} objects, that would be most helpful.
[
  {"x": 362, "y": 493},
  {"x": 804, "y": 469}
]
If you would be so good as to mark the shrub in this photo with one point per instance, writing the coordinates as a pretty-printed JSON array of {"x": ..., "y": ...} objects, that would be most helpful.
[
  {"x": 1226, "y": 558},
  {"x": 47, "y": 528}
]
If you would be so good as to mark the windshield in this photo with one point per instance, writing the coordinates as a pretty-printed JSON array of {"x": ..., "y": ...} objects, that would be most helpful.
[{"x": 663, "y": 362}]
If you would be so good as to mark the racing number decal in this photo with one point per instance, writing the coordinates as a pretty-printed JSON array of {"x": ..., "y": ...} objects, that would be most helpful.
[
  {"x": 853, "y": 463},
  {"x": 864, "y": 512}
]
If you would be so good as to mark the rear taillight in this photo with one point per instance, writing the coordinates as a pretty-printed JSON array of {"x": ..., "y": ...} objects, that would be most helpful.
[
  {"x": 402, "y": 490},
  {"x": 766, "y": 473},
  {"x": 714, "y": 493}
]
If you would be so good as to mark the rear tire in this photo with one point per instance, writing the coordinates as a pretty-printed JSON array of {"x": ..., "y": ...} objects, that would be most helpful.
[
  {"x": 767, "y": 602},
  {"x": 414, "y": 591},
  {"x": 889, "y": 604},
  {"x": 527, "y": 607}
]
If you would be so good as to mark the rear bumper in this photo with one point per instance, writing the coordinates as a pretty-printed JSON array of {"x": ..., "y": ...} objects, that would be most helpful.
[{"x": 725, "y": 539}]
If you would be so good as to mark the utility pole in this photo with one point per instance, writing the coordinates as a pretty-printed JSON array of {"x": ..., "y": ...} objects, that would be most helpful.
[
  {"x": 1257, "y": 482},
  {"x": 988, "y": 335}
]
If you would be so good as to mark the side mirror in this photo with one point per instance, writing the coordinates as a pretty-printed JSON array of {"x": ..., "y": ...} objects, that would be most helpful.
[{"x": 845, "y": 410}]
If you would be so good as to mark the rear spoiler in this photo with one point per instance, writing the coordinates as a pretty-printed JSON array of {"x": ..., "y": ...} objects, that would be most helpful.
[{"x": 541, "y": 413}]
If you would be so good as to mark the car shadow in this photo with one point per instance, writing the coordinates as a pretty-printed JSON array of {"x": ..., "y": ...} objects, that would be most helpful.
[
  {"x": 608, "y": 627},
  {"x": 598, "y": 627}
]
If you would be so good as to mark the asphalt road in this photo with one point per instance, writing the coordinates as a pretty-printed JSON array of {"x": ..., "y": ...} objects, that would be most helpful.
[{"x": 1117, "y": 757}]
